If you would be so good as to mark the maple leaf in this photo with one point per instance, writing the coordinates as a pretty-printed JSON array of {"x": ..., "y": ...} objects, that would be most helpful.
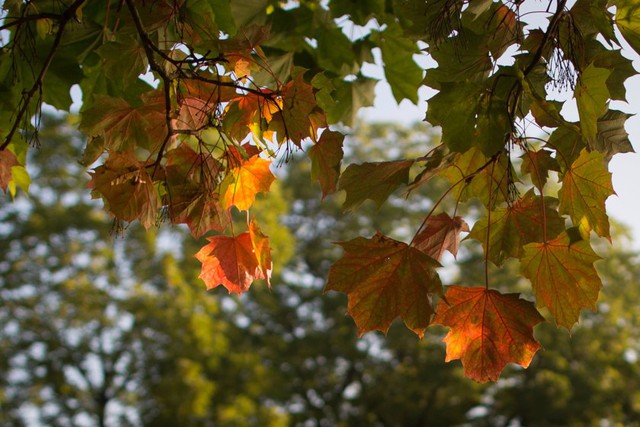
[
  {"x": 298, "y": 101},
  {"x": 375, "y": 181},
  {"x": 7, "y": 161},
  {"x": 487, "y": 330},
  {"x": 563, "y": 277},
  {"x": 441, "y": 232},
  {"x": 325, "y": 157},
  {"x": 262, "y": 250},
  {"x": 242, "y": 183},
  {"x": 194, "y": 113},
  {"x": 538, "y": 164},
  {"x": 612, "y": 136},
  {"x": 385, "y": 279},
  {"x": 230, "y": 262},
  {"x": 192, "y": 197},
  {"x": 591, "y": 95},
  {"x": 514, "y": 226},
  {"x": 122, "y": 125},
  {"x": 476, "y": 178},
  {"x": 124, "y": 183},
  {"x": 586, "y": 186}
]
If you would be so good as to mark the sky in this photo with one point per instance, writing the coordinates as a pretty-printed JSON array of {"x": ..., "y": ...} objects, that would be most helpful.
[{"x": 624, "y": 206}]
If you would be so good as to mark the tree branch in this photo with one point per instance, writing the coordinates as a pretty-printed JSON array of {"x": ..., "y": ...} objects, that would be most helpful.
[
  {"x": 29, "y": 18},
  {"x": 68, "y": 14},
  {"x": 149, "y": 49}
]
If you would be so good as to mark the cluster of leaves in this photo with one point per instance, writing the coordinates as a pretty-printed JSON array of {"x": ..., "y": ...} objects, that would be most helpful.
[{"x": 235, "y": 84}]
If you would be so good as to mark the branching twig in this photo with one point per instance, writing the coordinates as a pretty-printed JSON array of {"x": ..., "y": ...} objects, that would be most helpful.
[
  {"x": 66, "y": 16},
  {"x": 29, "y": 18}
]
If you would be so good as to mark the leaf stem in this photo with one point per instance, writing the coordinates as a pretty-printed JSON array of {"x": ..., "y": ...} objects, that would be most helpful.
[{"x": 467, "y": 179}]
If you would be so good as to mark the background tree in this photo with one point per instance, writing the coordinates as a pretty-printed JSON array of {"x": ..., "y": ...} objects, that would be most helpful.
[
  {"x": 94, "y": 341},
  {"x": 98, "y": 330}
]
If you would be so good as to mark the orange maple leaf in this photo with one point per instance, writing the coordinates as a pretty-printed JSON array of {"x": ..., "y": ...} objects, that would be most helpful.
[
  {"x": 488, "y": 330},
  {"x": 243, "y": 182},
  {"x": 385, "y": 279},
  {"x": 230, "y": 262},
  {"x": 262, "y": 250}
]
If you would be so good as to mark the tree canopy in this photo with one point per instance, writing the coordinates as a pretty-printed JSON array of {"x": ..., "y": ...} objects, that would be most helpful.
[{"x": 232, "y": 86}]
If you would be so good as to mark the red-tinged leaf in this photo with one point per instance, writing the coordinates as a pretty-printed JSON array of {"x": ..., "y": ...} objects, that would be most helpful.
[
  {"x": 230, "y": 262},
  {"x": 325, "y": 157},
  {"x": 585, "y": 188},
  {"x": 127, "y": 189},
  {"x": 262, "y": 250},
  {"x": 441, "y": 232},
  {"x": 210, "y": 92},
  {"x": 200, "y": 211},
  {"x": 256, "y": 105},
  {"x": 298, "y": 101},
  {"x": 194, "y": 113},
  {"x": 439, "y": 159},
  {"x": 7, "y": 161},
  {"x": 375, "y": 181},
  {"x": 514, "y": 226},
  {"x": 385, "y": 279},
  {"x": 192, "y": 197},
  {"x": 242, "y": 183},
  {"x": 487, "y": 330},
  {"x": 563, "y": 277},
  {"x": 538, "y": 164}
]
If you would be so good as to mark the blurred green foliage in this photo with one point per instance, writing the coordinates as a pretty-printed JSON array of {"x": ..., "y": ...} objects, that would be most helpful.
[{"x": 102, "y": 330}]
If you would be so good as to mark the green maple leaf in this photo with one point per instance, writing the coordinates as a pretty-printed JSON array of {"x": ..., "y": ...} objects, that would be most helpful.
[
  {"x": 563, "y": 277},
  {"x": 402, "y": 72},
  {"x": 592, "y": 95},
  {"x": 585, "y": 188},
  {"x": 612, "y": 136},
  {"x": 375, "y": 181},
  {"x": 385, "y": 279},
  {"x": 628, "y": 21},
  {"x": 538, "y": 164}
]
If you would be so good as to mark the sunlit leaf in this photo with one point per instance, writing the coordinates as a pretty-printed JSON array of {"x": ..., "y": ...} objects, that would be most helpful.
[
  {"x": 243, "y": 182},
  {"x": 487, "y": 330},
  {"x": 563, "y": 277},
  {"x": 230, "y": 262},
  {"x": 262, "y": 250},
  {"x": 585, "y": 188},
  {"x": 592, "y": 95}
]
